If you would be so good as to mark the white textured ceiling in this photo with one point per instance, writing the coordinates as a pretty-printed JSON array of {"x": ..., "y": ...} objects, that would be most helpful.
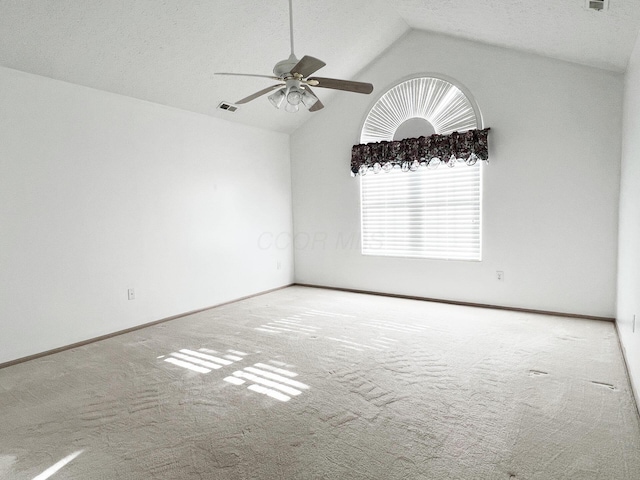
[
  {"x": 166, "y": 51},
  {"x": 563, "y": 29}
]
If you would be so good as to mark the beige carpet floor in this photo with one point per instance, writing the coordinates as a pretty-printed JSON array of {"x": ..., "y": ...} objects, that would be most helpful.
[{"x": 308, "y": 383}]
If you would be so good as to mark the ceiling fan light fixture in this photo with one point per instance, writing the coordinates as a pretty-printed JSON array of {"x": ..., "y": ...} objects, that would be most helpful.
[
  {"x": 308, "y": 99},
  {"x": 291, "y": 108},
  {"x": 277, "y": 98},
  {"x": 294, "y": 97}
]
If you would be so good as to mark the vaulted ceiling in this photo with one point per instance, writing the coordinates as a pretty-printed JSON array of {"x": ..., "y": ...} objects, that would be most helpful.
[{"x": 167, "y": 51}]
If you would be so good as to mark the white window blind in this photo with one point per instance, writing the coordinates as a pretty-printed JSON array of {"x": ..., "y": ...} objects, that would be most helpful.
[
  {"x": 429, "y": 213},
  {"x": 426, "y": 213}
]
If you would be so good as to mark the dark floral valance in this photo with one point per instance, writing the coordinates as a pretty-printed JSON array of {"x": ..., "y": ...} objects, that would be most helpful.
[{"x": 412, "y": 153}]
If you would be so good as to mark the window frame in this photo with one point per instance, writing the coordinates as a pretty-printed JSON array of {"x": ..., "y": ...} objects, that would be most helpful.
[{"x": 480, "y": 168}]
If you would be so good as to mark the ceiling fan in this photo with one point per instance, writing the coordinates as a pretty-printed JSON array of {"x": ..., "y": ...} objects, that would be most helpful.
[{"x": 294, "y": 87}]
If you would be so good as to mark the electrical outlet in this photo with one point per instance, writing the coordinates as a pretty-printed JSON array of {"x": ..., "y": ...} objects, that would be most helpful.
[
  {"x": 500, "y": 275},
  {"x": 131, "y": 294},
  {"x": 279, "y": 265}
]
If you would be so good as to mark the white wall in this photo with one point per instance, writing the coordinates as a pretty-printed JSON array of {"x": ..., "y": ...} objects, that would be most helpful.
[
  {"x": 629, "y": 246},
  {"x": 100, "y": 193},
  {"x": 550, "y": 192}
]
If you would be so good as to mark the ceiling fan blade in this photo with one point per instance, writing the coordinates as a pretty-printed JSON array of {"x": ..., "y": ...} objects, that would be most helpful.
[
  {"x": 258, "y": 94},
  {"x": 249, "y": 75},
  {"x": 307, "y": 65},
  {"x": 346, "y": 85},
  {"x": 316, "y": 106}
]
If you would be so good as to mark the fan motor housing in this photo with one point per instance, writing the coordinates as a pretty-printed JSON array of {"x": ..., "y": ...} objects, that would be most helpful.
[{"x": 283, "y": 67}]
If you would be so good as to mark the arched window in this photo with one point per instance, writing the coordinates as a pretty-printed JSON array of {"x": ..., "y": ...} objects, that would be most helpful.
[{"x": 430, "y": 212}]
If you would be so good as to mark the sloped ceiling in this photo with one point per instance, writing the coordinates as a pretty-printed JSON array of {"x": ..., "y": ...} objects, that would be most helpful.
[
  {"x": 167, "y": 51},
  {"x": 563, "y": 29}
]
